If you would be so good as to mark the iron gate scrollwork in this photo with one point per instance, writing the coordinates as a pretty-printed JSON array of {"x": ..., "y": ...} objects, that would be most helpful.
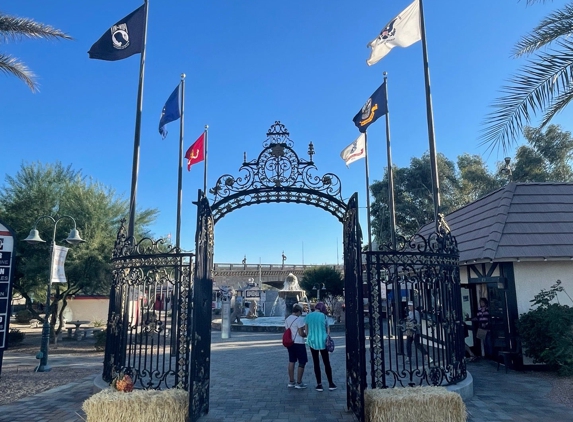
[
  {"x": 427, "y": 349},
  {"x": 278, "y": 175},
  {"x": 147, "y": 336},
  {"x": 200, "y": 364},
  {"x": 353, "y": 286}
]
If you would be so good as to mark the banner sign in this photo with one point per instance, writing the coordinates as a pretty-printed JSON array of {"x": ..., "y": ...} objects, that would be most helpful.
[
  {"x": 6, "y": 273},
  {"x": 58, "y": 259}
]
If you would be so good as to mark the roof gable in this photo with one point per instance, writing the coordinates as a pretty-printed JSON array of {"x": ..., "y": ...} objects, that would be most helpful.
[{"x": 521, "y": 220}]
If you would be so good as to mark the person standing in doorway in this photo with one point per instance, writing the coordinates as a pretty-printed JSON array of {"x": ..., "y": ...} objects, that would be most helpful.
[
  {"x": 296, "y": 352},
  {"x": 483, "y": 327},
  {"x": 317, "y": 329},
  {"x": 413, "y": 325}
]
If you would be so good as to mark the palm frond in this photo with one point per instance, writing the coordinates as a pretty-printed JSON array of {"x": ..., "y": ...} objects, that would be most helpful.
[
  {"x": 557, "y": 25},
  {"x": 557, "y": 105},
  {"x": 535, "y": 88},
  {"x": 12, "y": 66},
  {"x": 15, "y": 28}
]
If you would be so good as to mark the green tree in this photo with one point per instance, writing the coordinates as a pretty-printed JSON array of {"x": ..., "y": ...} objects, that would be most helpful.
[
  {"x": 475, "y": 179},
  {"x": 542, "y": 85},
  {"x": 13, "y": 28},
  {"x": 317, "y": 276},
  {"x": 547, "y": 158},
  {"x": 55, "y": 190},
  {"x": 413, "y": 197}
]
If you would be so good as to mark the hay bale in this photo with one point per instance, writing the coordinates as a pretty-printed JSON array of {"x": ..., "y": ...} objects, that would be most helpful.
[
  {"x": 139, "y": 405},
  {"x": 428, "y": 404}
]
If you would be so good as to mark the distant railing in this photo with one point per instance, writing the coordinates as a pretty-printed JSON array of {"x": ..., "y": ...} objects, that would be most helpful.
[{"x": 270, "y": 267}]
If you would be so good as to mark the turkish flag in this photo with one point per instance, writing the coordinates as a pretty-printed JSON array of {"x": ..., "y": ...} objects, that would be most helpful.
[{"x": 196, "y": 153}]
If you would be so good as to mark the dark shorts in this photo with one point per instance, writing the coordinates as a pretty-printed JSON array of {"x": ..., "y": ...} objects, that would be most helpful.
[{"x": 297, "y": 352}]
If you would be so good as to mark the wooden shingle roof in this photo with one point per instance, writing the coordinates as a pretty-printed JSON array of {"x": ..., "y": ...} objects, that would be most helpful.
[{"x": 530, "y": 221}]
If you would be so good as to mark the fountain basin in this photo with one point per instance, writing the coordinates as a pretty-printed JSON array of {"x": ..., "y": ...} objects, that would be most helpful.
[{"x": 266, "y": 324}]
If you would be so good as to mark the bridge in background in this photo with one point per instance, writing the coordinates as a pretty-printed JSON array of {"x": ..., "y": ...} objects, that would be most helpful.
[{"x": 240, "y": 275}]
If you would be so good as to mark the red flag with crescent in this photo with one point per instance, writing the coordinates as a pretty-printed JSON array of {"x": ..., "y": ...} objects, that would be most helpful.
[{"x": 196, "y": 153}]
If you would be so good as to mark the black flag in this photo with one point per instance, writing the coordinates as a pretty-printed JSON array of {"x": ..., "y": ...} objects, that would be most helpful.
[{"x": 123, "y": 39}]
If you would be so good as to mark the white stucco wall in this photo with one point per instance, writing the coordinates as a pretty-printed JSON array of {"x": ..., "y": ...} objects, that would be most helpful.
[
  {"x": 87, "y": 309},
  {"x": 531, "y": 277}
]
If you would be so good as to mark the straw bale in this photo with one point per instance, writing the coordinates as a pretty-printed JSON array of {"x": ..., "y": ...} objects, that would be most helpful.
[
  {"x": 139, "y": 405},
  {"x": 428, "y": 404}
]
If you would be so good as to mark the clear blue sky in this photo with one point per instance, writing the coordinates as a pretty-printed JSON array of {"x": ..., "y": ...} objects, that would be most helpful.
[{"x": 249, "y": 63}]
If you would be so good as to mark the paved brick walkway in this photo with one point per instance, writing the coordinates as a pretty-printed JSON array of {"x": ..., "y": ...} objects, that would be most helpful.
[{"x": 248, "y": 383}]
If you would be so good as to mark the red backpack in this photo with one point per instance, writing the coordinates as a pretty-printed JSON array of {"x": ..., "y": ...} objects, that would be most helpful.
[{"x": 288, "y": 340}]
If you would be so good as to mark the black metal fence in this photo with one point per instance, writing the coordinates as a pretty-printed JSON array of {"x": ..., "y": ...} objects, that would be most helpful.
[
  {"x": 147, "y": 330},
  {"x": 415, "y": 315}
]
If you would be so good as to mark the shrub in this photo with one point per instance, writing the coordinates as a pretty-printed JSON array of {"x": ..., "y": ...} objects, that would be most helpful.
[
  {"x": 24, "y": 316},
  {"x": 547, "y": 331},
  {"x": 15, "y": 337},
  {"x": 100, "y": 337}
]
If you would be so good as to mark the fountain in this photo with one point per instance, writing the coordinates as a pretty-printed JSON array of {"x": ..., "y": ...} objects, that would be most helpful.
[{"x": 290, "y": 294}]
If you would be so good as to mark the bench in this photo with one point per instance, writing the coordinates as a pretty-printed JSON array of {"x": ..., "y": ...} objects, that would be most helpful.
[{"x": 34, "y": 323}]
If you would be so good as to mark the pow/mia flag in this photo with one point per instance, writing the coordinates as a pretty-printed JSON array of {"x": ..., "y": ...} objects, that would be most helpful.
[
  {"x": 374, "y": 107},
  {"x": 123, "y": 39}
]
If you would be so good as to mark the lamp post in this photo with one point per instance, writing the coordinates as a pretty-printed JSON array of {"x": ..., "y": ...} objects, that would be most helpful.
[
  {"x": 318, "y": 289},
  {"x": 34, "y": 238}
]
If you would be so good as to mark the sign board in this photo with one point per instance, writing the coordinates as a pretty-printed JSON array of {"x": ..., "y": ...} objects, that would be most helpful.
[
  {"x": 252, "y": 294},
  {"x": 6, "y": 274}
]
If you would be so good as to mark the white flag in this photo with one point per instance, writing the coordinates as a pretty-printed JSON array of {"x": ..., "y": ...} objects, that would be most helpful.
[
  {"x": 355, "y": 151},
  {"x": 59, "y": 258},
  {"x": 402, "y": 31}
]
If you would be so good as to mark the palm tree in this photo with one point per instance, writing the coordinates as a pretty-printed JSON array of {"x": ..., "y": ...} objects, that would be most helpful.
[
  {"x": 544, "y": 84},
  {"x": 14, "y": 29}
]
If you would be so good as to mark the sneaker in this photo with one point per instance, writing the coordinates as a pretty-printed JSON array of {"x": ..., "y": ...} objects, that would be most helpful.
[
  {"x": 406, "y": 360},
  {"x": 300, "y": 386},
  {"x": 291, "y": 384},
  {"x": 332, "y": 386},
  {"x": 319, "y": 387}
]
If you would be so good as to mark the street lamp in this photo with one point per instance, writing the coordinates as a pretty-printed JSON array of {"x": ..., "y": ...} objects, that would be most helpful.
[
  {"x": 33, "y": 239},
  {"x": 318, "y": 289}
]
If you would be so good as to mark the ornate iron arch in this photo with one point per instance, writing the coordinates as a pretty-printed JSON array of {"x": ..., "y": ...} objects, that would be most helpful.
[{"x": 278, "y": 175}]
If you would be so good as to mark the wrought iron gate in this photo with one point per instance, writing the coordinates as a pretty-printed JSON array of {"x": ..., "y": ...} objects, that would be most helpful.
[
  {"x": 147, "y": 336},
  {"x": 353, "y": 296},
  {"x": 200, "y": 364},
  {"x": 424, "y": 273}
]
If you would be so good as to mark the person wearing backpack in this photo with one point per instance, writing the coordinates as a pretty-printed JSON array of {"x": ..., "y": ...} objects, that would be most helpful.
[{"x": 297, "y": 352}]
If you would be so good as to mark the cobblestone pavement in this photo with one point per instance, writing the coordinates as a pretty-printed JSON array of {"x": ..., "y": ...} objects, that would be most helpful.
[{"x": 249, "y": 383}]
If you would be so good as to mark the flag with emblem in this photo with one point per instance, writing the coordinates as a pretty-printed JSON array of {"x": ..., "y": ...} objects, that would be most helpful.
[
  {"x": 375, "y": 107},
  {"x": 122, "y": 40},
  {"x": 355, "y": 151},
  {"x": 170, "y": 112},
  {"x": 402, "y": 31},
  {"x": 196, "y": 153}
]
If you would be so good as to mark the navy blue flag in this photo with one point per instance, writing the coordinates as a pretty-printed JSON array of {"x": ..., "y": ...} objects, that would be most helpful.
[
  {"x": 375, "y": 107},
  {"x": 123, "y": 39},
  {"x": 170, "y": 112}
]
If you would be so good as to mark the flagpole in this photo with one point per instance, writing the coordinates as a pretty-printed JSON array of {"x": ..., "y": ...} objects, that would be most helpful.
[
  {"x": 430, "y": 118},
  {"x": 205, "y": 167},
  {"x": 180, "y": 171},
  {"x": 367, "y": 191},
  {"x": 137, "y": 137},
  {"x": 391, "y": 204}
]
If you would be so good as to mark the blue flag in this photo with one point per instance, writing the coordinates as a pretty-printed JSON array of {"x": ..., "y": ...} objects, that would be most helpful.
[
  {"x": 170, "y": 112},
  {"x": 375, "y": 107},
  {"x": 123, "y": 39}
]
